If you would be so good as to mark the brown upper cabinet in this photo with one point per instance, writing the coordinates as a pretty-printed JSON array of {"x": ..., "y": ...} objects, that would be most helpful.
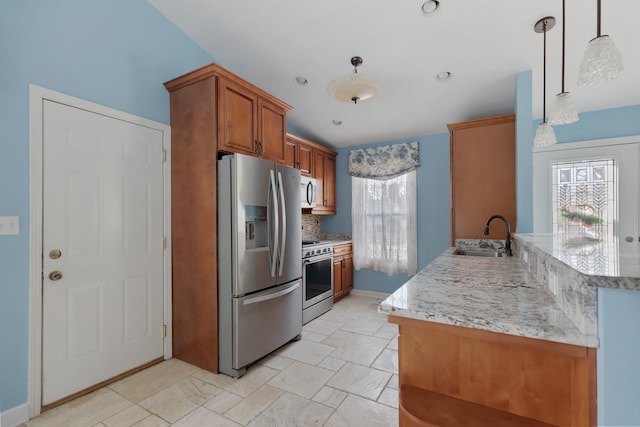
[
  {"x": 483, "y": 177},
  {"x": 324, "y": 171},
  {"x": 299, "y": 154},
  {"x": 318, "y": 162},
  {"x": 250, "y": 121}
]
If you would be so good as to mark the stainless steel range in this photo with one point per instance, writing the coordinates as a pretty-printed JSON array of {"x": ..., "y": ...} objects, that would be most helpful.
[{"x": 317, "y": 279}]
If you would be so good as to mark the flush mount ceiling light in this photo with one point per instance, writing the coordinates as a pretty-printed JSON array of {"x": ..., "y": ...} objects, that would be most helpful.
[
  {"x": 430, "y": 6},
  {"x": 301, "y": 80},
  {"x": 563, "y": 110},
  {"x": 354, "y": 87},
  {"x": 544, "y": 134},
  {"x": 601, "y": 61}
]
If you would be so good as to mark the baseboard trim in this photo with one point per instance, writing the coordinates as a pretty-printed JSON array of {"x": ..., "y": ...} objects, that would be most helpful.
[
  {"x": 371, "y": 294},
  {"x": 15, "y": 416}
]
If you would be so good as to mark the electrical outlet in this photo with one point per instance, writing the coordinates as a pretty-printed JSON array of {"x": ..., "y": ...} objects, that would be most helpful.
[{"x": 9, "y": 225}]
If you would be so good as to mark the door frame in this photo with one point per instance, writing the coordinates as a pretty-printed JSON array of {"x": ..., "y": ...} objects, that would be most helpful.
[{"x": 37, "y": 96}]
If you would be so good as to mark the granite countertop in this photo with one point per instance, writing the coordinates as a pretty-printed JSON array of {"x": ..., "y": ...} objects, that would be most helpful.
[
  {"x": 491, "y": 294},
  {"x": 604, "y": 264}
]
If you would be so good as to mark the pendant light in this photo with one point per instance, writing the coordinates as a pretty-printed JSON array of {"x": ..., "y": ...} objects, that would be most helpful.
[
  {"x": 355, "y": 87},
  {"x": 544, "y": 134},
  {"x": 563, "y": 110},
  {"x": 601, "y": 61}
]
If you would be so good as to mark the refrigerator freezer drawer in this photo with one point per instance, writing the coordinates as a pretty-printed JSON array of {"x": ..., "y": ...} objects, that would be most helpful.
[{"x": 265, "y": 321}]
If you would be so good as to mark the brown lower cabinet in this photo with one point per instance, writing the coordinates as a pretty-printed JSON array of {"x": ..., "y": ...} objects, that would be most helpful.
[
  {"x": 456, "y": 376},
  {"x": 342, "y": 270}
]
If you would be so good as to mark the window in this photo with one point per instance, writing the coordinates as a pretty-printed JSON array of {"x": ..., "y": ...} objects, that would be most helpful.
[
  {"x": 584, "y": 212},
  {"x": 384, "y": 224}
]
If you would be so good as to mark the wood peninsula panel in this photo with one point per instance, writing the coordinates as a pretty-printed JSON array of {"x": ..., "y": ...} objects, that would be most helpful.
[
  {"x": 194, "y": 224},
  {"x": 483, "y": 178},
  {"x": 550, "y": 382},
  {"x": 422, "y": 408}
]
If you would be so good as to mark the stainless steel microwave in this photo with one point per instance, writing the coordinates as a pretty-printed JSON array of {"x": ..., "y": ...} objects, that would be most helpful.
[{"x": 308, "y": 192}]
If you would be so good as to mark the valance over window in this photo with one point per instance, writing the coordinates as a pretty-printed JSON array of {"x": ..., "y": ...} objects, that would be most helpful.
[{"x": 384, "y": 162}]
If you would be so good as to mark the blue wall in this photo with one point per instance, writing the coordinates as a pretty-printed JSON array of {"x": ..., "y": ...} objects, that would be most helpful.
[
  {"x": 524, "y": 155},
  {"x": 434, "y": 208},
  {"x": 113, "y": 52},
  {"x": 618, "y": 355}
]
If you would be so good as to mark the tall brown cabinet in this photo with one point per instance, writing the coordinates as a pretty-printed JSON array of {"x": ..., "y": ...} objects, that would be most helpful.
[
  {"x": 483, "y": 176},
  {"x": 211, "y": 110}
]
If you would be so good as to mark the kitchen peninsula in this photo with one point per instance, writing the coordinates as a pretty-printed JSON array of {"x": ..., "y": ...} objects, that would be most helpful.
[{"x": 503, "y": 337}]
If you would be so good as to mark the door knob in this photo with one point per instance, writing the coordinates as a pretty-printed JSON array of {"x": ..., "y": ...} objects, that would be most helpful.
[
  {"x": 55, "y": 275},
  {"x": 55, "y": 253}
]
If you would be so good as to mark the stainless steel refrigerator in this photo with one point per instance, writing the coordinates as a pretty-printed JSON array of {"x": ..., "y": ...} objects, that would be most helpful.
[{"x": 259, "y": 255}]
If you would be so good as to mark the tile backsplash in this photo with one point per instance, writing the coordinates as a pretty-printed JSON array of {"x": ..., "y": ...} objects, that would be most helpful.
[
  {"x": 311, "y": 230},
  {"x": 311, "y": 227}
]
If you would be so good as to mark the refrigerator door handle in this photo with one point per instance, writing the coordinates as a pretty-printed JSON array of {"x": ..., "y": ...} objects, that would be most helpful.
[
  {"x": 284, "y": 223},
  {"x": 273, "y": 252},
  {"x": 272, "y": 296}
]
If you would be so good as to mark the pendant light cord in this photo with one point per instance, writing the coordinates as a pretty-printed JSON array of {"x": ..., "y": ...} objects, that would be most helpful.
[
  {"x": 599, "y": 16},
  {"x": 563, "y": 33},
  {"x": 544, "y": 72}
]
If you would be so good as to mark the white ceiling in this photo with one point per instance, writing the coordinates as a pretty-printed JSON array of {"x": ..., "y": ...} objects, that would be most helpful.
[{"x": 484, "y": 44}]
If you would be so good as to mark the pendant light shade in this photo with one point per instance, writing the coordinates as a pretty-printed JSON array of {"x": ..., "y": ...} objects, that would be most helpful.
[
  {"x": 602, "y": 61},
  {"x": 355, "y": 87},
  {"x": 563, "y": 110},
  {"x": 544, "y": 134}
]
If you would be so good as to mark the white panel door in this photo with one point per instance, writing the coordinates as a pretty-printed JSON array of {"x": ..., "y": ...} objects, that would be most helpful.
[
  {"x": 103, "y": 212},
  {"x": 624, "y": 152}
]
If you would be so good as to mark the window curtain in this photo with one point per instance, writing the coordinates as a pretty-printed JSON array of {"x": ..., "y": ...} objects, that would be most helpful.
[{"x": 384, "y": 208}]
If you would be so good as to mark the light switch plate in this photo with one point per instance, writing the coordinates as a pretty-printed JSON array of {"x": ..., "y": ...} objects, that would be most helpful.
[{"x": 9, "y": 225}]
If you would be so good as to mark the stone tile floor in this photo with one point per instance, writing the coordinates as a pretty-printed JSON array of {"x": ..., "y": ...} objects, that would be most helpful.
[{"x": 343, "y": 372}]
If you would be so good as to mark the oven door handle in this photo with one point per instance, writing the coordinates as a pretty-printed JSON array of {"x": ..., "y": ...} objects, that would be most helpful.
[{"x": 315, "y": 259}]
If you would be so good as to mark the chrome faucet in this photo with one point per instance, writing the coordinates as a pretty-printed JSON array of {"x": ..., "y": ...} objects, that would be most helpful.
[{"x": 507, "y": 242}]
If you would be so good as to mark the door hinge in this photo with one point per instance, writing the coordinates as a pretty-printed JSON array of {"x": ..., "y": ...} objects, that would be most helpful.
[
  {"x": 164, "y": 155},
  {"x": 164, "y": 331},
  {"x": 164, "y": 243}
]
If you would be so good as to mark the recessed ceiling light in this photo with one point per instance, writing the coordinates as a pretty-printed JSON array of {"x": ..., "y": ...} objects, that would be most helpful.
[
  {"x": 301, "y": 80},
  {"x": 445, "y": 75},
  {"x": 336, "y": 122},
  {"x": 430, "y": 6}
]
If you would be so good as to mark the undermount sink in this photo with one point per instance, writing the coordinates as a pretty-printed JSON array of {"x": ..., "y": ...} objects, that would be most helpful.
[{"x": 489, "y": 254}]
